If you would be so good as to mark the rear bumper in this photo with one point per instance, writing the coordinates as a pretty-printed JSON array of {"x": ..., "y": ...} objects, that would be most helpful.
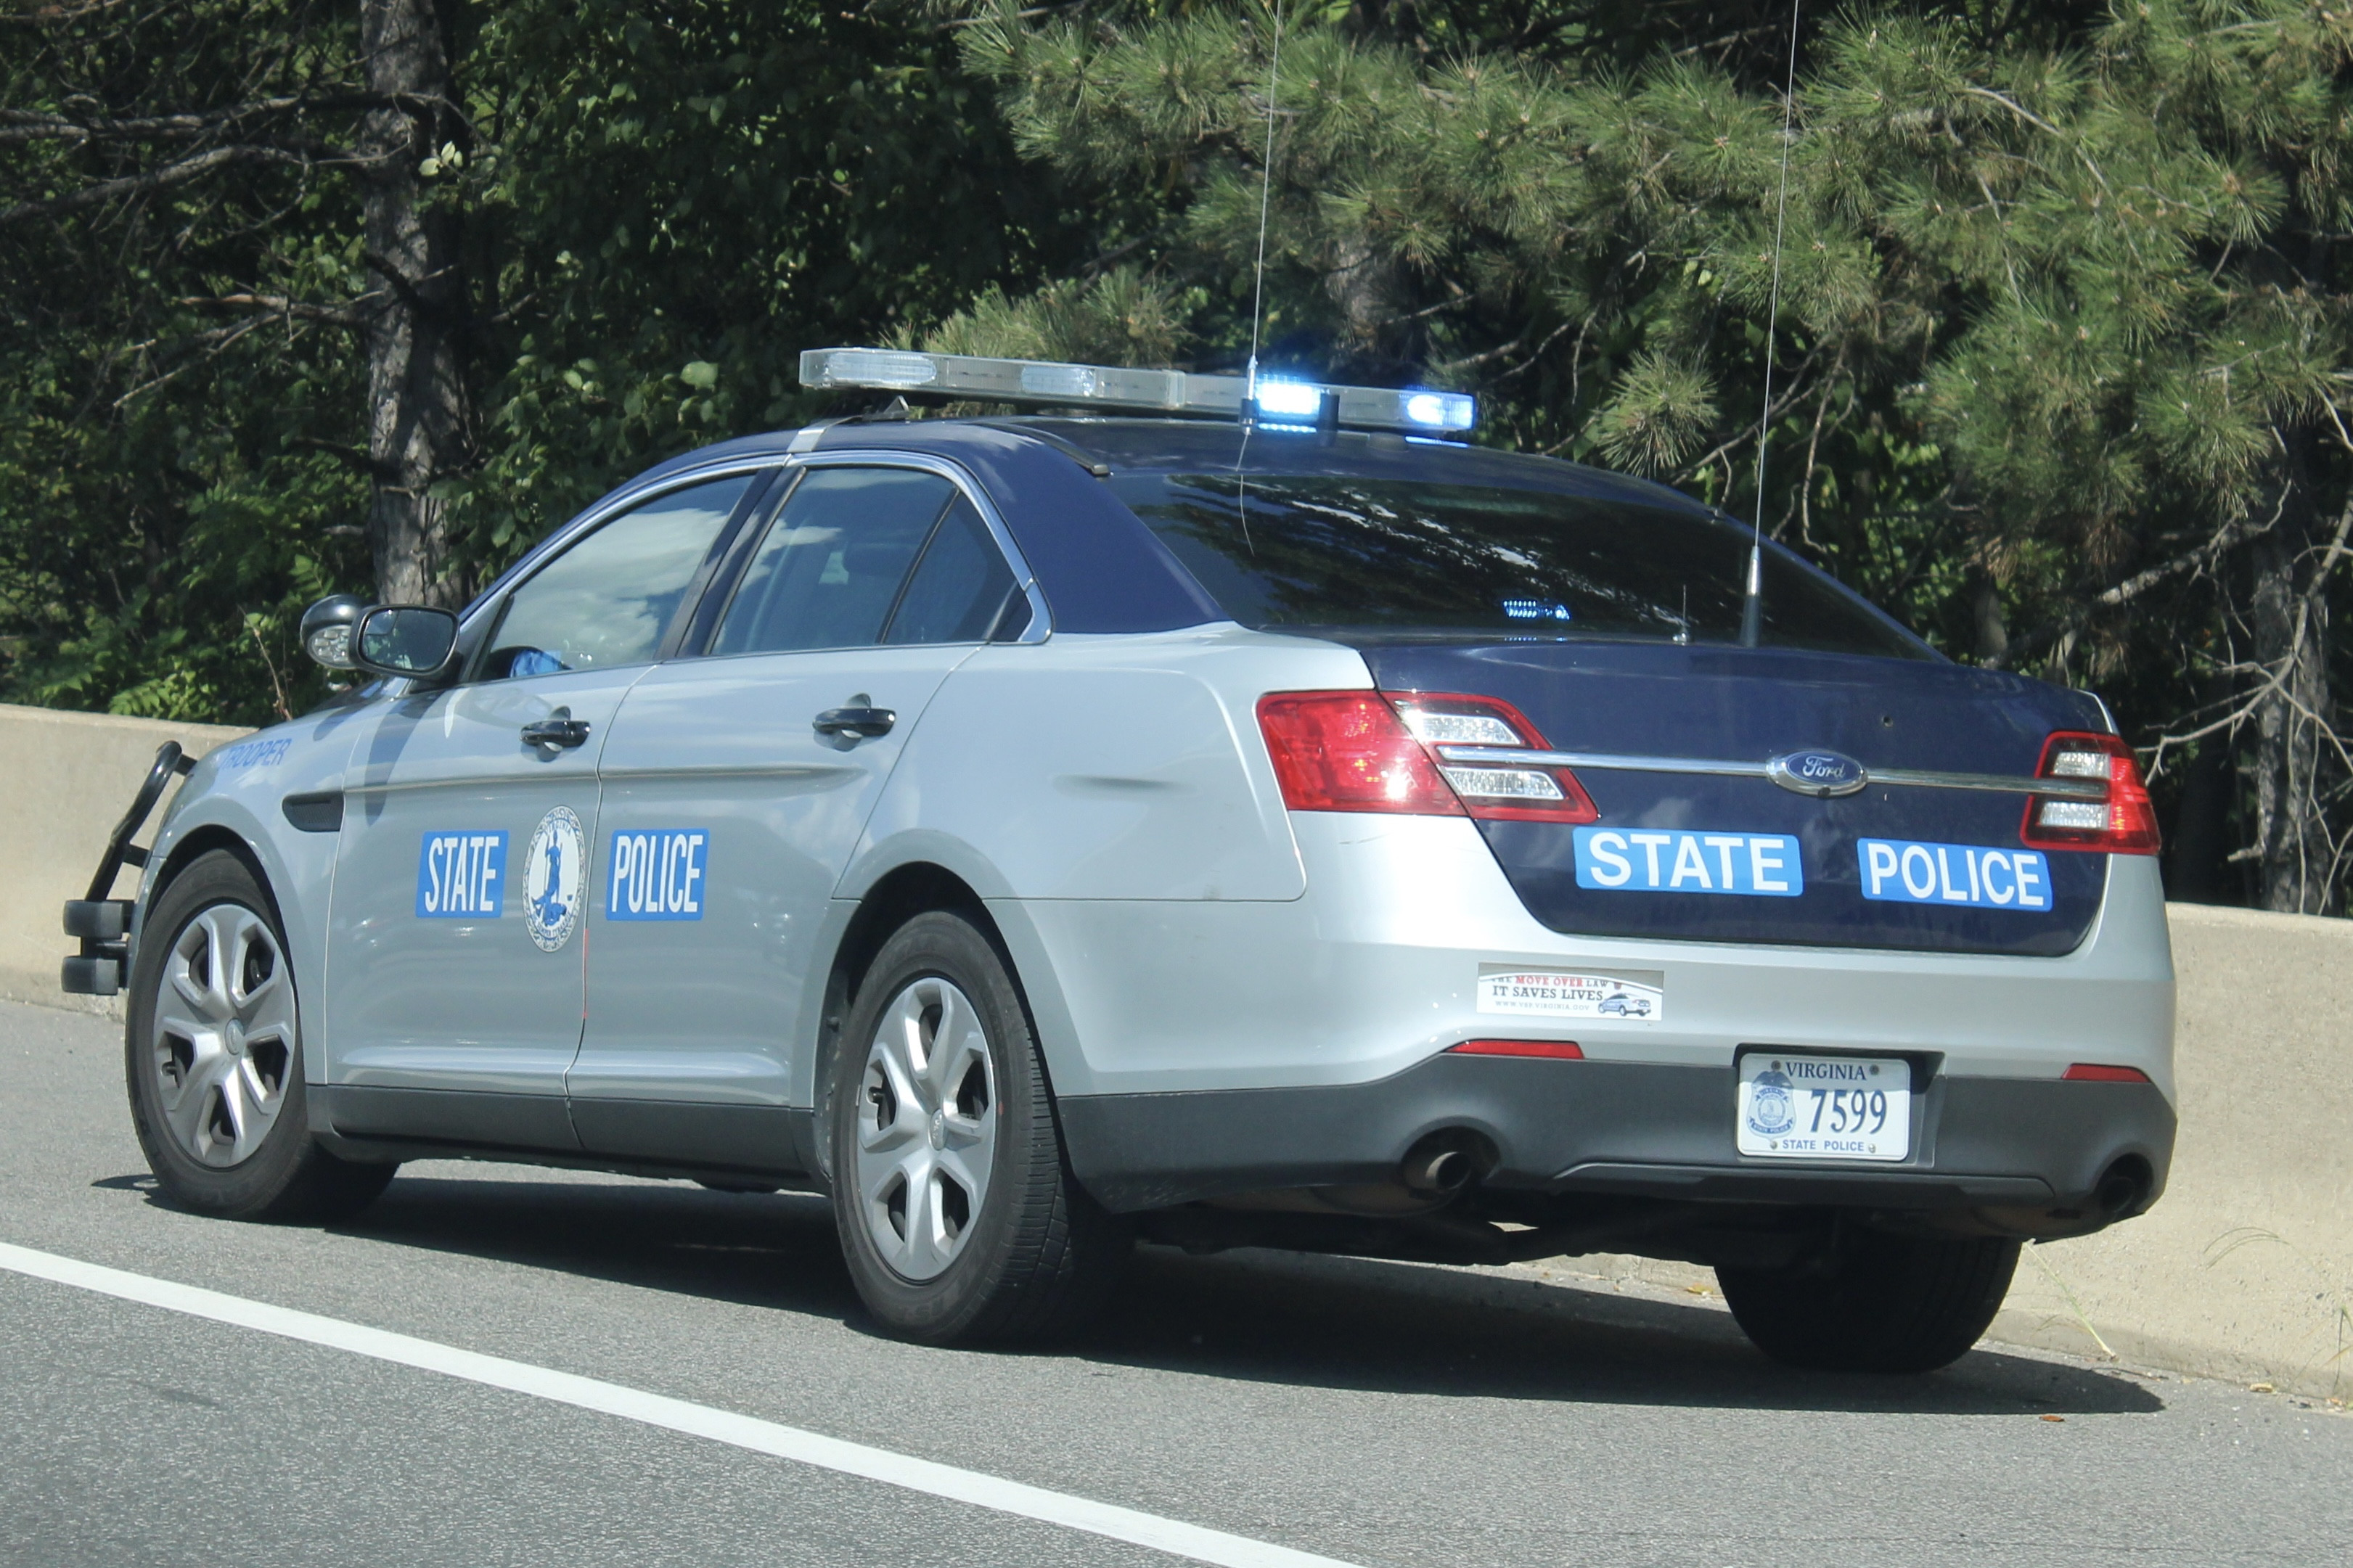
[{"x": 2028, "y": 1156}]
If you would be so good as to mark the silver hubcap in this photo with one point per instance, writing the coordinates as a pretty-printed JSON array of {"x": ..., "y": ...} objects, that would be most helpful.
[
  {"x": 224, "y": 1035},
  {"x": 926, "y": 1128}
]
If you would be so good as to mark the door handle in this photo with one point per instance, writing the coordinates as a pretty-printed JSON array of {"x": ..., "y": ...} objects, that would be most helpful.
[
  {"x": 559, "y": 734},
  {"x": 865, "y": 723}
]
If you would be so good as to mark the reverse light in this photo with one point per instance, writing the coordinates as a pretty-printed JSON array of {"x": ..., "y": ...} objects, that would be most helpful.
[
  {"x": 2122, "y": 824},
  {"x": 2096, "y": 1072},
  {"x": 1497, "y": 792},
  {"x": 1556, "y": 1050}
]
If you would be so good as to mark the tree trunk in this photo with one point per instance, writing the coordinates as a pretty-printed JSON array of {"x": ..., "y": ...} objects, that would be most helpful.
[
  {"x": 2294, "y": 854},
  {"x": 420, "y": 413}
]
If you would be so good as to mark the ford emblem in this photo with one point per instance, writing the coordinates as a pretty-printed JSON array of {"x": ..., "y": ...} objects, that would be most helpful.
[{"x": 1824, "y": 774}]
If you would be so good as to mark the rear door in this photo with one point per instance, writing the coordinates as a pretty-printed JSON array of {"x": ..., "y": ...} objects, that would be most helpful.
[
  {"x": 455, "y": 940},
  {"x": 736, "y": 785}
]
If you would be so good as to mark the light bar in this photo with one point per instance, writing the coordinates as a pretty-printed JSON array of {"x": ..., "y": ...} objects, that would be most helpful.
[{"x": 1411, "y": 410}]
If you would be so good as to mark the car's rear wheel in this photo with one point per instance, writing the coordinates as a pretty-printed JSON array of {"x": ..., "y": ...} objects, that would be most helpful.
[
  {"x": 1879, "y": 1302},
  {"x": 959, "y": 1216},
  {"x": 212, "y": 1057}
]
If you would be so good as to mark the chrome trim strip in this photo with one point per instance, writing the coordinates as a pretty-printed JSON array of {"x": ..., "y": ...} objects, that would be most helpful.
[{"x": 1911, "y": 778}]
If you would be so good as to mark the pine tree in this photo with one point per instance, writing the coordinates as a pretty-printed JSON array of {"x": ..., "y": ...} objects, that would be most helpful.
[{"x": 2060, "y": 330}]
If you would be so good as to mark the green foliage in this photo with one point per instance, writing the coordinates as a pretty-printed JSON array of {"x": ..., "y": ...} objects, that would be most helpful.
[{"x": 659, "y": 212}]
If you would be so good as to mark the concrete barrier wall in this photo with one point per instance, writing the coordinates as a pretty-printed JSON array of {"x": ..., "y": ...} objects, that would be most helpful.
[
  {"x": 2244, "y": 1270},
  {"x": 66, "y": 780}
]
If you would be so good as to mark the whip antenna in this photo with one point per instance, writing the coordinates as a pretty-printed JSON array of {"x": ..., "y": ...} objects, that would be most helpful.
[
  {"x": 1265, "y": 192},
  {"x": 1258, "y": 288},
  {"x": 1752, "y": 604}
]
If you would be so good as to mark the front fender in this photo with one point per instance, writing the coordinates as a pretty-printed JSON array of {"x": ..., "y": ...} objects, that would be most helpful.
[{"x": 237, "y": 794}]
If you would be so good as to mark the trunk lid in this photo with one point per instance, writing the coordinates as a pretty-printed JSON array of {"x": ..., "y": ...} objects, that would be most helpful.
[{"x": 1716, "y": 704}]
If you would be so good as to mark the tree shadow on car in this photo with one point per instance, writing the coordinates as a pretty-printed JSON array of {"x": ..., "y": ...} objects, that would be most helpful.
[{"x": 1250, "y": 1315}]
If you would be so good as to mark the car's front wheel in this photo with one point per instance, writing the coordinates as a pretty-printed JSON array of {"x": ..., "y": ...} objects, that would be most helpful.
[
  {"x": 1879, "y": 1301},
  {"x": 959, "y": 1216},
  {"x": 214, "y": 1059}
]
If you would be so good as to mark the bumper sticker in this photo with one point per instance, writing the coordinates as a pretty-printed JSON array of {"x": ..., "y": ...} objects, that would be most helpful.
[
  {"x": 1637, "y": 995},
  {"x": 1671, "y": 861},
  {"x": 657, "y": 874},
  {"x": 1903, "y": 871},
  {"x": 461, "y": 876}
]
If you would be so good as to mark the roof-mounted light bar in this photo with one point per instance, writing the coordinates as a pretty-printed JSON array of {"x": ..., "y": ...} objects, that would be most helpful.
[{"x": 1277, "y": 401}]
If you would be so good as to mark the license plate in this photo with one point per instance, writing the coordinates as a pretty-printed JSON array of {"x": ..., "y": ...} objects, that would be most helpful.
[{"x": 1799, "y": 1106}]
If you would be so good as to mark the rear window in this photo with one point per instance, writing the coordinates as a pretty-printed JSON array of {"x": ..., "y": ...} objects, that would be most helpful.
[{"x": 1408, "y": 558}]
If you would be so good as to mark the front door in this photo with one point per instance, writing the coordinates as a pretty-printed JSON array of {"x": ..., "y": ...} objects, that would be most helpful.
[
  {"x": 455, "y": 940},
  {"x": 735, "y": 789}
]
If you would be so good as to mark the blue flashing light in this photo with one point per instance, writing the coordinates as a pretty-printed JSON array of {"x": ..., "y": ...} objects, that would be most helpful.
[
  {"x": 1441, "y": 410},
  {"x": 1535, "y": 610},
  {"x": 1289, "y": 399}
]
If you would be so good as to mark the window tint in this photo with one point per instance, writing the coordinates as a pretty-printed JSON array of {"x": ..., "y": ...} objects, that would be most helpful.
[
  {"x": 960, "y": 588},
  {"x": 832, "y": 561},
  {"x": 1391, "y": 556},
  {"x": 607, "y": 599}
]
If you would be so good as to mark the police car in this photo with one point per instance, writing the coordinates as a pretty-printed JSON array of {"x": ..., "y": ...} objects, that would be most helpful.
[{"x": 1220, "y": 813}]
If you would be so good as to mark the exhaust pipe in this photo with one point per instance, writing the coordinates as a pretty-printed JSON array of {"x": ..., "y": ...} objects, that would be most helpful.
[{"x": 1444, "y": 1162}]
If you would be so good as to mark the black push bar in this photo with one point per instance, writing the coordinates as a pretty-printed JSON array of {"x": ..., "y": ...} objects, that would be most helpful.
[{"x": 101, "y": 924}]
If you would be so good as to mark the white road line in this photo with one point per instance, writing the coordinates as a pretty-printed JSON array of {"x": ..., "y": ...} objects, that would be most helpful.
[{"x": 1172, "y": 1536}]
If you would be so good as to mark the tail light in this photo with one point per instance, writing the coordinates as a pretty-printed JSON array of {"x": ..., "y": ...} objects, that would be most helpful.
[
  {"x": 1347, "y": 750},
  {"x": 1369, "y": 751},
  {"x": 1498, "y": 792},
  {"x": 2122, "y": 824}
]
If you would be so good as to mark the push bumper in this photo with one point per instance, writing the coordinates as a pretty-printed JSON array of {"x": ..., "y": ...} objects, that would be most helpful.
[
  {"x": 2020, "y": 1156},
  {"x": 101, "y": 924}
]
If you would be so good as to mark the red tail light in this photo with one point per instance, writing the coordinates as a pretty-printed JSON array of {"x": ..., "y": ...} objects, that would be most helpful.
[
  {"x": 2093, "y": 1072},
  {"x": 1556, "y": 1050},
  {"x": 2122, "y": 824},
  {"x": 1347, "y": 750},
  {"x": 1500, "y": 792}
]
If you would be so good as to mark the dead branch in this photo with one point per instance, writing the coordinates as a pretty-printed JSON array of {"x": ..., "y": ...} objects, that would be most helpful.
[{"x": 195, "y": 167}]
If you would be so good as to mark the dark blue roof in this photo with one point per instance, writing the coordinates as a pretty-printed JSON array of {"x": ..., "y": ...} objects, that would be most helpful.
[{"x": 1099, "y": 568}]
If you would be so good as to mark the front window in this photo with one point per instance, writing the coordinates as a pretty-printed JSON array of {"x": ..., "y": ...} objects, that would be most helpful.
[{"x": 610, "y": 598}]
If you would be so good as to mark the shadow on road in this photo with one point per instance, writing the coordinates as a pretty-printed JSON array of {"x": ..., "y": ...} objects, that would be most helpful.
[{"x": 1262, "y": 1317}]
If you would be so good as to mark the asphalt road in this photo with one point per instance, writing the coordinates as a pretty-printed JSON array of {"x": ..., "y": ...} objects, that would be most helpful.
[{"x": 1376, "y": 1414}]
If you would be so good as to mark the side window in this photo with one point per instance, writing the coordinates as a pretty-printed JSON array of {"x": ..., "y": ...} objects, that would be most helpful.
[
  {"x": 831, "y": 564},
  {"x": 607, "y": 599},
  {"x": 961, "y": 588}
]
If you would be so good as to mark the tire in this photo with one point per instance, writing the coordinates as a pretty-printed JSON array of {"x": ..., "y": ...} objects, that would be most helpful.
[
  {"x": 1884, "y": 1303},
  {"x": 959, "y": 1217},
  {"x": 213, "y": 1058}
]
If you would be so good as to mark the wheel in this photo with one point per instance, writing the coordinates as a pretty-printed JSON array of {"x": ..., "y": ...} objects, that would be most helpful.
[
  {"x": 959, "y": 1216},
  {"x": 1882, "y": 1302},
  {"x": 214, "y": 1059}
]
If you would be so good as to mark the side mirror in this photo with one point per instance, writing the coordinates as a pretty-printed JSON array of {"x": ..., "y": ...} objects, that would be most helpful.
[
  {"x": 404, "y": 639},
  {"x": 327, "y": 630}
]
